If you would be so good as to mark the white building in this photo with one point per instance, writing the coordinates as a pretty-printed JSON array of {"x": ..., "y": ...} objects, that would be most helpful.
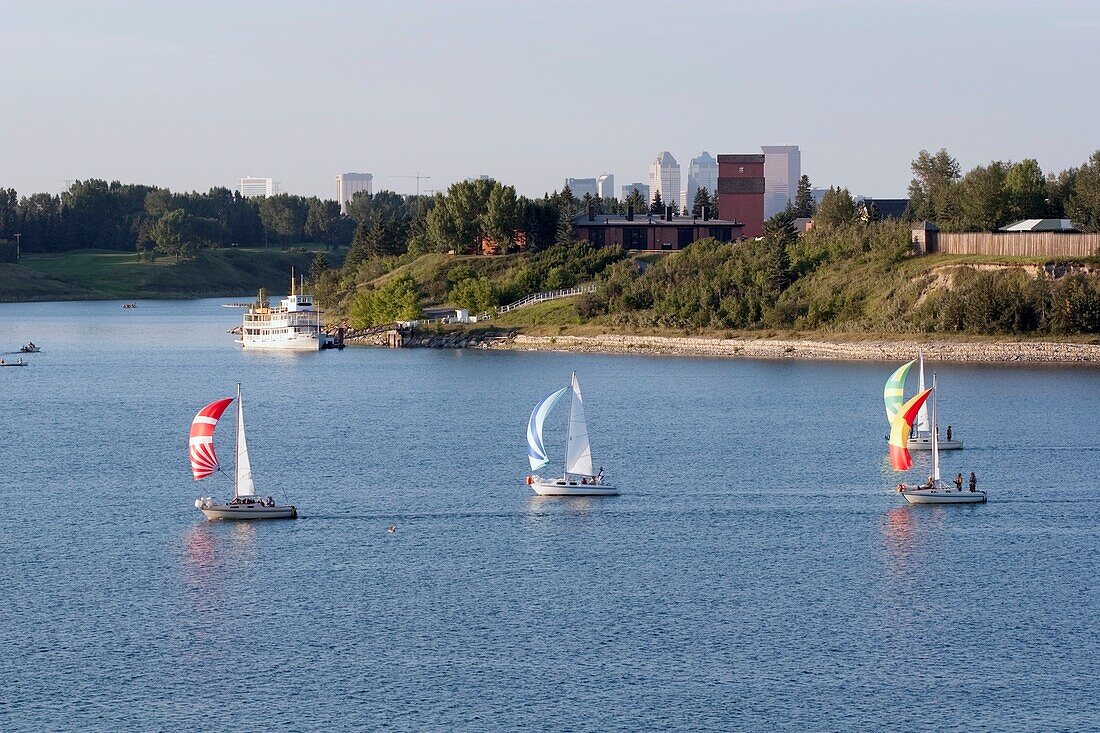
[
  {"x": 782, "y": 169},
  {"x": 605, "y": 186},
  {"x": 349, "y": 184},
  {"x": 702, "y": 173},
  {"x": 251, "y": 187},
  {"x": 581, "y": 186},
  {"x": 664, "y": 176}
]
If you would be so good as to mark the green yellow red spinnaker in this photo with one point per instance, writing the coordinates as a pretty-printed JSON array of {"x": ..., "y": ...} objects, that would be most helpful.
[
  {"x": 894, "y": 394},
  {"x": 900, "y": 427}
]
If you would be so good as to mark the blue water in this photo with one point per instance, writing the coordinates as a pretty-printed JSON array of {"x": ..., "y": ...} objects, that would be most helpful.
[{"x": 759, "y": 572}]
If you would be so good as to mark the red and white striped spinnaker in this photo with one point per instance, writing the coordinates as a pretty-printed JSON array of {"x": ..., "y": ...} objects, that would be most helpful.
[{"x": 203, "y": 459}]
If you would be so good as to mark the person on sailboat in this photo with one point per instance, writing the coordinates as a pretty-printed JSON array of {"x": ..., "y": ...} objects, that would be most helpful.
[
  {"x": 958, "y": 478},
  {"x": 949, "y": 435},
  {"x": 973, "y": 482},
  {"x": 599, "y": 476}
]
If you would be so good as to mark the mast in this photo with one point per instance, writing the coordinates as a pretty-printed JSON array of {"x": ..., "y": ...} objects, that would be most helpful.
[
  {"x": 292, "y": 279},
  {"x": 568, "y": 423},
  {"x": 237, "y": 444},
  {"x": 935, "y": 437}
]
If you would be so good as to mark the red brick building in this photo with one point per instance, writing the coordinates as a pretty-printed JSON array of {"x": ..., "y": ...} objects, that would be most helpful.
[{"x": 741, "y": 191}]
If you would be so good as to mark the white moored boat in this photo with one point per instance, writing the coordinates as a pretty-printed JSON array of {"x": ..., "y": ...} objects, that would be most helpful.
[
  {"x": 935, "y": 491},
  {"x": 204, "y": 462},
  {"x": 293, "y": 325},
  {"x": 894, "y": 394},
  {"x": 580, "y": 477}
]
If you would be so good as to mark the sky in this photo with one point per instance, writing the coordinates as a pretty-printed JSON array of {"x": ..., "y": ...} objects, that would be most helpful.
[{"x": 196, "y": 94}]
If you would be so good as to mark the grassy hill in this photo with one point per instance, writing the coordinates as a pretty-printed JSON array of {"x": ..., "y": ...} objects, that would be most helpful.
[{"x": 98, "y": 274}]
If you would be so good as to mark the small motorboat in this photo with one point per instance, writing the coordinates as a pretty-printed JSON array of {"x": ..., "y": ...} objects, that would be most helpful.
[
  {"x": 129, "y": 305},
  {"x": 204, "y": 462},
  {"x": 29, "y": 348},
  {"x": 580, "y": 477}
]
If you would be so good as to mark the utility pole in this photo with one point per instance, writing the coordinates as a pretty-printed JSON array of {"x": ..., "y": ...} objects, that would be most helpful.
[
  {"x": 18, "y": 236},
  {"x": 418, "y": 177}
]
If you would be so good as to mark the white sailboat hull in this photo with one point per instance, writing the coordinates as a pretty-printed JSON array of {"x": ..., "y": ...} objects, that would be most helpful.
[
  {"x": 248, "y": 511},
  {"x": 926, "y": 444},
  {"x": 570, "y": 487},
  {"x": 943, "y": 496}
]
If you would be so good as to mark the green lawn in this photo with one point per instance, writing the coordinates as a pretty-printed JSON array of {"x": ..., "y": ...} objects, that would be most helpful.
[{"x": 83, "y": 274}]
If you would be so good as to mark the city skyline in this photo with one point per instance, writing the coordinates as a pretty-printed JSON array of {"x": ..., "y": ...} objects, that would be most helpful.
[{"x": 160, "y": 96}]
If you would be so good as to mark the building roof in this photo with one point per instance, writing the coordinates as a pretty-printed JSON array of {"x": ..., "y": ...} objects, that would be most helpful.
[
  {"x": 742, "y": 158},
  {"x": 926, "y": 226},
  {"x": 647, "y": 220},
  {"x": 1041, "y": 225},
  {"x": 665, "y": 158},
  {"x": 889, "y": 208}
]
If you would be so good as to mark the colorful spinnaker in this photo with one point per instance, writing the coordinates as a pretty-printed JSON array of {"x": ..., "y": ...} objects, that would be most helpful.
[
  {"x": 894, "y": 394},
  {"x": 204, "y": 461},
  {"x": 900, "y": 427}
]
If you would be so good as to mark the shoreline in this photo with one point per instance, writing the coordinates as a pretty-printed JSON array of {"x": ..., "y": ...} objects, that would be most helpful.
[
  {"x": 885, "y": 350},
  {"x": 991, "y": 352}
]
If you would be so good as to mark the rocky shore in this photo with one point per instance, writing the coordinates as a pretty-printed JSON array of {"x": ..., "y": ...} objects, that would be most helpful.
[{"x": 749, "y": 348}]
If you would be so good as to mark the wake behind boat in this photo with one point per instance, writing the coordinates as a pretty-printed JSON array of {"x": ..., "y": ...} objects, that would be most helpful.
[
  {"x": 204, "y": 462},
  {"x": 580, "y": 477},
  {"x": 935, "y": 491}
]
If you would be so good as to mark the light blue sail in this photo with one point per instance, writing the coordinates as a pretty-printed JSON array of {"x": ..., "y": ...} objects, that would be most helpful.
[{"x": 536, "y": 453}]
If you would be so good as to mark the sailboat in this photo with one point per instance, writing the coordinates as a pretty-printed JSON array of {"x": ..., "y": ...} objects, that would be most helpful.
[
  {"x": 580, "y": 477},
  {"x": 894, "y": 394},
  {"x": 935, "y": 491},
  {"x": 204, "y": 462}
]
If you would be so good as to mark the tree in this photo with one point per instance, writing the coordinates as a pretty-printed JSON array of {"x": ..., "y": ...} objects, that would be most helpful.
[
  {"x": 283, "y": 217},
  {"x": 1027, "y": 190},
  {"x": 398, "y": 299},
  {"x": 779, "y": 234},
  {"x": 475, "y": 294},
  {"x": 636, "y": 201},
  {"x": 932, "y": 190},
  {"x": 172, "y": 235},
  {"x": 983, "y": 199},
  {"x": 658, "y": 205},
  {"x": 501, "y": 219},
  {"x": 836, "y": 208},
  {"x": 323, "y": 221},
  {"x": 804, "y": 204},
  {"x": 702, "y": 201},
  {"x": 1083, "y": 205},
  {"x": 1059, "y": 189}
]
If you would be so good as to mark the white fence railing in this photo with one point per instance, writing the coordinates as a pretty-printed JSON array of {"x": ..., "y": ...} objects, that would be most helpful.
[{"x": 543, "y": 297}]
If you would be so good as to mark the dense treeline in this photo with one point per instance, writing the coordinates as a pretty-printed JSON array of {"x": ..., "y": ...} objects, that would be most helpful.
[{"x": 991, "y": 196}]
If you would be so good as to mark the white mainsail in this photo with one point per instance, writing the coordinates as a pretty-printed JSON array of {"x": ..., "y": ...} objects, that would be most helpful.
[
  {"x": 578, "y": 451},
  {"x": 923, "y": 427},
  {"x": 245, "y": 487},
  {"x": 536, "y": 451}
]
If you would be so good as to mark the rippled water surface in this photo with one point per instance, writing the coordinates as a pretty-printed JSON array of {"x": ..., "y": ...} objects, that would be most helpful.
[{"x": 759, "y": 572}]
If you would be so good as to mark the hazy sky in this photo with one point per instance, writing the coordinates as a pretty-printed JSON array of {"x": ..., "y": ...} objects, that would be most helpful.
[{"x": 195, "y": 94}]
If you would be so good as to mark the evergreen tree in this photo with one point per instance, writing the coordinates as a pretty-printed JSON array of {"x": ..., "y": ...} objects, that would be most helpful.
[
  {"x": 804, "y": 204},
  {"x": 836, "y": 208},
  {"x": 635, "y": 200},
  {"x": 658, "y": 205},
  {"x": 702, "y": 201}
]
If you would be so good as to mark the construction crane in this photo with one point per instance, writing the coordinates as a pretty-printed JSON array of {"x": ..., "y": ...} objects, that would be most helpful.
[{"x": 418, "y": 177}]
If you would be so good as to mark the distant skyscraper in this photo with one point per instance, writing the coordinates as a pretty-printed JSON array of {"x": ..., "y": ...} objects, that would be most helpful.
[
  {"x": 581, "y": 186},
  {"x": 605, "y": 186},
  {"x": 349, "y": 184},
  {"x": 643, "y": 189},
  {"x": 664, "y": 176},
  {"x": 702, "y": 173},
  {"x": 782, "y": 169},
  {"x": 251, "y": 187}
]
